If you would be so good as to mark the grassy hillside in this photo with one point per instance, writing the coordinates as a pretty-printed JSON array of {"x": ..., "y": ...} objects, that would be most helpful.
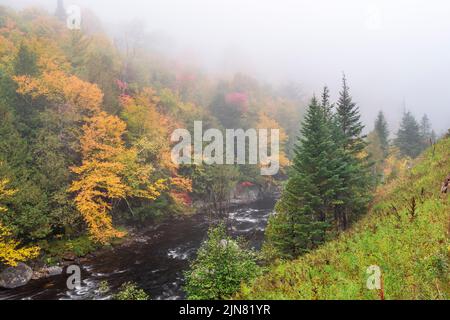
[{"x": 406, "y": 234}]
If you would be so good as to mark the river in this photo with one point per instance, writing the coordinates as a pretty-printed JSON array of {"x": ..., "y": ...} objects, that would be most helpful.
[{"x": 155, "y": 261}]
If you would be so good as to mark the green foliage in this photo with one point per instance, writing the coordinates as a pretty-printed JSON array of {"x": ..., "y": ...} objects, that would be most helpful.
[
  {"x": 425, "y": 129},
  {"x": 25, "y": 62},
  {"x": 378, "y": 148},
  {"x": 306, "y": 207},
  {"x": 45, "y": 71},
  {"x": 382, "y": 132},
  {"x": 130, "y": 291},
  {"x": 329, "y": 181},
  {"x": 376, "y": 155},
  {"x": 409, "y": 243},
  {"x": 103, "y": 287},
  {"x": 409, "y": 139},
  {"x": 56, "y": 250},
  {"x": 212, "y": 184},
  {"x": 355, "y": 171},
  {"x": 221, "y": 266}
]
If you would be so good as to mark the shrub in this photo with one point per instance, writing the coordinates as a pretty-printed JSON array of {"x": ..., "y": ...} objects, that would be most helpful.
[
  {"x": 130, "y": 291},
  {"x": 221, "y": 266}
]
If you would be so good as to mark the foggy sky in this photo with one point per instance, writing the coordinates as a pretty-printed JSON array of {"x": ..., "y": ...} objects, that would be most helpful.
[{"x": 394, "y": 53}]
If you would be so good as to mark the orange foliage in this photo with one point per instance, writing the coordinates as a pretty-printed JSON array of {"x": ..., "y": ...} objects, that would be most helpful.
[
  {"x": 182, "y": 184},
  {"x": 99, "y": 175},
  {"x": 108, "y": 172},
  {"x": 60, "y": 88}
]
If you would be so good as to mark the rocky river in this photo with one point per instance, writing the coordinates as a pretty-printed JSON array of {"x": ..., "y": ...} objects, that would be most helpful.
[{"x": 155, "y": 260}]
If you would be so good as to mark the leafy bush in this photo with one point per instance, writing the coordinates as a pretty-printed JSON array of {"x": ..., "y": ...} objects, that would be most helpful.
[
  {"x": 220, "y": 268},
  {"x": 130, "y": 291}
]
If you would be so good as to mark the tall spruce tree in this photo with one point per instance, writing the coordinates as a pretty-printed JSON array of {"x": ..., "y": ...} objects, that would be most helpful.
[
  {"x": 25, "y": 62},
  {"x": 426, "y": 131},
  {"x": 60, "y": 12},
  {"x": 355, "y": 174},
  {"x": 306, "y": 209},
  {"x": 382, "y": 131},
  {"x": 409, "y": 139},
  {"x": 326, "y": 104}
]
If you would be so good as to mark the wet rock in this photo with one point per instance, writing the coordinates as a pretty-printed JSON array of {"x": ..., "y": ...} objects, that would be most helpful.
[
  {"x": 14, "y": 277},
  {"x": 84, "y": 260},
  {"x": 47, "y": 272},
  {"x": 70, "y": 257},
  {"x": 37, "y": 275},
  {"x": 54, "y": 271}
]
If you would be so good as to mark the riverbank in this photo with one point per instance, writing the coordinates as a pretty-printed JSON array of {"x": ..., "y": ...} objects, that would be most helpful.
[{"x": 154, "y": 257}]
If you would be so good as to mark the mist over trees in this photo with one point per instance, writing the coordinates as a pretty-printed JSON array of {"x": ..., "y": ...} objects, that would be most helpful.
[
  {"x": 329, "y": 185},
  {"x": 268, "y": 40},
  {"x": 86, "y": 149},
  {"x": 412, "y": 137}
]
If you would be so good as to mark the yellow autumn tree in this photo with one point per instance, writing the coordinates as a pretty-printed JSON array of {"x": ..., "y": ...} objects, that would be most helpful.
[
  {"x": 266, "y": 122},
  {"x": 63, "y": 90},
  {"x": 109, "y": 171},
  {"x": 72, "y": 100},
  {"x": 10, "y": 253},
  {"x": 149, "y": 133},
  {"x": 395, "y": 165},
  {"x": 148, "y": 128}
]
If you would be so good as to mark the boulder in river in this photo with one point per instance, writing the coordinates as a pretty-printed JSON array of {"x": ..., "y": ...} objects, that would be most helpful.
[
  {"x": 14, "y": 277},
  {"x": 47, "y": 272}
]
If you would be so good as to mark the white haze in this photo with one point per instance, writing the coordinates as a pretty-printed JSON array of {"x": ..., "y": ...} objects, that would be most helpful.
[{"x": 396, "y": 54}]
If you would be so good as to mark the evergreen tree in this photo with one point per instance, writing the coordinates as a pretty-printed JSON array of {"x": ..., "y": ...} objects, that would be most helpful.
[
  {"x": 326, "y": 104},
  {"x": 377, "y": 156},
  {"x": 60, "y": 12},
  {"x": 305, "y": 211},
  {"x": 434, "y": 136},
  {"x": 25, "y": 62},
  {"x": 355, "y": 173},
  {"x": 409, "y": 138},
  {"x": 350, "y": 121},
  {"x": 382, "y": 131},
  {"x": 426, "y": 131}
]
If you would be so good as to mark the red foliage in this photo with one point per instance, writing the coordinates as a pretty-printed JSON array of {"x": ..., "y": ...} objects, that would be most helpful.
[
  {"x": 125, "y": 99},
  {"x": 237, "y": 98},
  {"x": 182, "y": 197},
  {"x": 123, "y": 86},
  {"x": 247, "y": 184},
  {"x": 185, "y": 77}
]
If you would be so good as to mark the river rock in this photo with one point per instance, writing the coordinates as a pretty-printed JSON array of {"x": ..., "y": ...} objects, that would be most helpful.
[
  {"x": 69, "y": 256},
  {"x": 47, "y": 272},
  {"x": 54, "y": 271},
  {"x": 14, "y": 277}
]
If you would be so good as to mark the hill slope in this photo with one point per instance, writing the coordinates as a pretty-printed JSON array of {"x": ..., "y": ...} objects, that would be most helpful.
[{"x": 408, "y": 240}]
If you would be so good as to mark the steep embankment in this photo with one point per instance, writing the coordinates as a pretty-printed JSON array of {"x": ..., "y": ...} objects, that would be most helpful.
[{"x": 406, "y": 234}]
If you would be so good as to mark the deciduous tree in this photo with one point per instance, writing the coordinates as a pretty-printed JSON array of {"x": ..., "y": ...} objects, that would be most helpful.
[{"x": 10, "y": 253}]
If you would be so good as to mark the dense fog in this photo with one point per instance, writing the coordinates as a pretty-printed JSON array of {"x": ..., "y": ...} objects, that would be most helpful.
[{"x": 396, "y": 54}]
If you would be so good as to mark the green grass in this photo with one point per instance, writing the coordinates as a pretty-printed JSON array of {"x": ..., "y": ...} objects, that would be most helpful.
[{"x": 411, "y": 247}]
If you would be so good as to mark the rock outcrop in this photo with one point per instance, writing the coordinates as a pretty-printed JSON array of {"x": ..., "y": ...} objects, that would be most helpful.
[{"x": 14, "y": 277}]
